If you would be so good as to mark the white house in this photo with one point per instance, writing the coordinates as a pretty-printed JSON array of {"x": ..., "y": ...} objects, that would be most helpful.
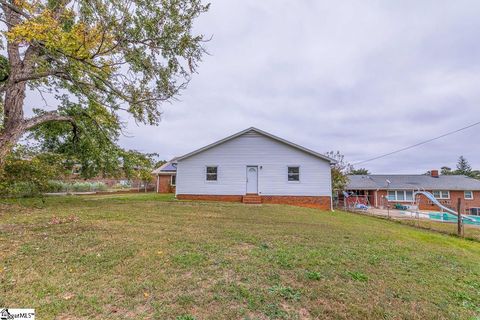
[{"x": 254, "y": 166}]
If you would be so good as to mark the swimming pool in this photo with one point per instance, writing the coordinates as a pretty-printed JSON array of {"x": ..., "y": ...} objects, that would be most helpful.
[{"x": 448, "y": 217}]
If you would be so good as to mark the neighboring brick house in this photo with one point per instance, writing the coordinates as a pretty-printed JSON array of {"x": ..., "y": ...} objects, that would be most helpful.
[
  {"x": 166, "y": 177},
  {"x": 382, "y": 190},
  {"x": 254, "y": 166}
]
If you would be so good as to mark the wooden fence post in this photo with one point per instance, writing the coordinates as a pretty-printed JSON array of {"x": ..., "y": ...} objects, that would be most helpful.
[{"x": 459, "y": 217}]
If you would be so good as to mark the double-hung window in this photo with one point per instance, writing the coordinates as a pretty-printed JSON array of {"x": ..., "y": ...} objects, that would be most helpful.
[
  {"x": 173, "y": 180},
  {"x": 392, "y": 195},
  {"x": 409, "y": 195},
  {"x": 468, "y": 195},
  {"x": 212, "y": 173},
  {"x": 441, "y": 194},
  {"x": 400, "y": 195},
  {"x": 293, "y": 174}
]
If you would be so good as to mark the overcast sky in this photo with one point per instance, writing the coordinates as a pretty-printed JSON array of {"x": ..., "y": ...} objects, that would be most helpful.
[{"x": 362, "y": 77}]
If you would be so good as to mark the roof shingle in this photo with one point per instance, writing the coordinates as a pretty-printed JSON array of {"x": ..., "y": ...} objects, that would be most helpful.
[{"x": 409, "y": 182}]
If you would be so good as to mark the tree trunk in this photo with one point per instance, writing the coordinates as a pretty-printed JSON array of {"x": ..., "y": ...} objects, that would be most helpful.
[
  {"x": 14, "y": 124},
  {"x": 8, "y": 139}
]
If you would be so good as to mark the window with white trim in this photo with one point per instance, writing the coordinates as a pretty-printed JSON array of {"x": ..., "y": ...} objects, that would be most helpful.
[
  {"x": 441, "y": 194},
  {"x": 173, "y": 180},
  {"x": 468, "y": 195},
  {"x": 409, "y": 195},
  {"x": 474, "y": 211},
  {"x": 212, "y": 173},
  {"x": 400, "y": 195},
  {"x": 294, "y": 174}
]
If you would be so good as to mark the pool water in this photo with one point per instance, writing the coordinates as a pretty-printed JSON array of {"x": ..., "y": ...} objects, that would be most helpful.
[{"x": 448, "y": 217}]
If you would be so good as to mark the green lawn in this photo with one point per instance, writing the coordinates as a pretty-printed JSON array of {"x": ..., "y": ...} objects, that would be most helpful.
[
  {"x": 469, "y": 231},
  {"x": 150, "y": 257}
]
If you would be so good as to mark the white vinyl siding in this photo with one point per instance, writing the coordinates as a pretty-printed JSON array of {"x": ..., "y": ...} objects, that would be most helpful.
[
  {"x": 400, "y": 195},
  {"x": 468, "y": 195},
  {"x": 252, "y": 149},
  {"x": 441, "y": 194}
]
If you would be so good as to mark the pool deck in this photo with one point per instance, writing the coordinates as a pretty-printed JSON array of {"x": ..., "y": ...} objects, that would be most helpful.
[{"x": 384, "y": 212}]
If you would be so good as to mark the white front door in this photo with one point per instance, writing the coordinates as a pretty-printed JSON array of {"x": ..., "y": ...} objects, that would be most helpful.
[{"x": 252, "y": 179}]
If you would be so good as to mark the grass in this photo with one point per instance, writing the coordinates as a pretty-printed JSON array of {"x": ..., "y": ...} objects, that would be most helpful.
[
  {"x": 469, "y": 231},
  {"x": 147, "y": 256}
]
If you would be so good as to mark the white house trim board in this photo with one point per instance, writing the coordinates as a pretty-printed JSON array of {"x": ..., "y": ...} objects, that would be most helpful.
[
  {"x": 264, "y": 133},
  {"x": 168, "y": 173}
]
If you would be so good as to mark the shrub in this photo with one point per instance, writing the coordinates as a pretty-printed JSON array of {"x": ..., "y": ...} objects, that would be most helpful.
[
  {"x": 81, "y": 186},
  {"x": 26, "y": 173},
  {"x": 99, "y": 186},
  {"x": 57, "y": 186},
  {"x": 22, "y": 189},
  {"x": 61, "y": 186}
]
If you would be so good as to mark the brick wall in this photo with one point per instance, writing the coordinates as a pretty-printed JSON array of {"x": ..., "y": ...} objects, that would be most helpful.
[
  {"x": 205, "y": 197},
  {"x": 164, "y": 184},
  {"x": 301, "y": 201},
  {"x": 323, "y": 203},
  {"x": 425, "y": 204}
]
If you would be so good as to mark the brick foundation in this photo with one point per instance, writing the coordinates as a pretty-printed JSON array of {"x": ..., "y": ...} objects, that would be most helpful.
[
  {"x": 204, "y": 197},
  {"x": 323, "y": 203},
  {"x": 318, "y": 202}
]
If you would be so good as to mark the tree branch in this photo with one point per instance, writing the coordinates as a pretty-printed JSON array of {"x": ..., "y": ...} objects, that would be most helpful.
[
  {"x": 39, "y": 75},
  {"x": 15, "y": 9},
  {"x": 47, "y": 117}
]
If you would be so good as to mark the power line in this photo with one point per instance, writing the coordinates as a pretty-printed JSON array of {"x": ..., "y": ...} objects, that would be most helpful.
[{"x": 417, "y": 144}]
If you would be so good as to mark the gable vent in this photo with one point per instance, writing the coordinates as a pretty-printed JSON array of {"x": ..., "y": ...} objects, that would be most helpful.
[{"x": 250, "y": 134}]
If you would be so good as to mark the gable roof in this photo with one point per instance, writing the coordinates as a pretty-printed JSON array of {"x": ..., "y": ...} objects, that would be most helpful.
[
  {"x": 263, "y": 133},
  {"x": 411, "y": 181},
  {"x": 167, "y": 167}
]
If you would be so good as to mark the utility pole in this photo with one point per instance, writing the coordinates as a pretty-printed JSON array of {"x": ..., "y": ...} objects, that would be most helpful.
[{"x": 459, "y": 217}]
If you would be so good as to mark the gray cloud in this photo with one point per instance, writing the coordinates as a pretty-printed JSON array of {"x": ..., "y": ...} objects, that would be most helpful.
[{"x": 363, "y": 77}]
